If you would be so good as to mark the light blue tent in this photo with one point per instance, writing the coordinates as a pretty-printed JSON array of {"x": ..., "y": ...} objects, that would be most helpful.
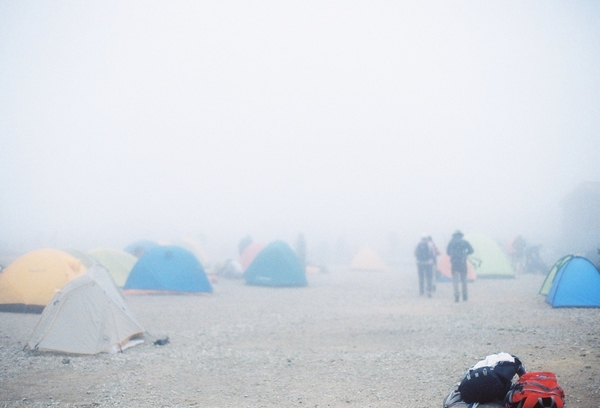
[
  {"x": 276, "y": 265},
  {"x": 167, "y": 269},
  {"x": 576, "y": 284},
  {"x": 139, "y": 248}
]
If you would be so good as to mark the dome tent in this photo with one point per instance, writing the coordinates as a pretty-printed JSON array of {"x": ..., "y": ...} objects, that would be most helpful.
[
  {"x": 249, "y": 253},
  {"x": 139, "y": 248},
  {"x": 444, "y": 266},
  {"x": 367, "y": 260},
  {"x": 545, "y": 289},
  {"x": 194, "y": 246},
  {"x": 276, "y": 265},
  {"x": 577, "y": 284},
  {"x": 168, "y": 269},
  {"x": 118, "y": 263},
  {"x": 28, "y": 284},
  {"x": 488, "y": 259},
  {"x": 87, "y": 316},
  {"x": 84, "y": 257}
]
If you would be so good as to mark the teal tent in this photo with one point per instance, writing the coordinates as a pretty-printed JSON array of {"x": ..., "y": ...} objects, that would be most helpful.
[
  {"x": 488, "y": 259},
  {"x": 577, "y": 284},
  {"x": 167, "y": 269},
  {"x": 276, "y": 265}
]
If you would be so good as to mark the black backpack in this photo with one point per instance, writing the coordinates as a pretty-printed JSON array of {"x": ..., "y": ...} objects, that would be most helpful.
[
  {"x": 422, "y": 252},
  {"x": 486, "y": 383}
]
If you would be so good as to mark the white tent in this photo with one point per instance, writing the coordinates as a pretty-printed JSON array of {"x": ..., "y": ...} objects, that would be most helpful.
[{"x": 87, "y": 316}]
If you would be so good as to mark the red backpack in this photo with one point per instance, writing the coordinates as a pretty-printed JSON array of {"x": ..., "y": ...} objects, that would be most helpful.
[{"x": 535, "y": 390}]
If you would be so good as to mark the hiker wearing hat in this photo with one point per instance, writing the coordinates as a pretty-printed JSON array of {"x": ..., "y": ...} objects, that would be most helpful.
[{"x": 458, "y": 250}]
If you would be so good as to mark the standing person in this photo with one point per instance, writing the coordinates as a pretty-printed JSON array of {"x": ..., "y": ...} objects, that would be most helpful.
[
  {"x": 434, "y": 270},
  {"x": 458, "y": 250},
  {"x": 424, "y": 255}
]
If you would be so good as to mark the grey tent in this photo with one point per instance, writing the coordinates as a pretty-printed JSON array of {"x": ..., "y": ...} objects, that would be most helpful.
[{"x": 87, "y": 316}]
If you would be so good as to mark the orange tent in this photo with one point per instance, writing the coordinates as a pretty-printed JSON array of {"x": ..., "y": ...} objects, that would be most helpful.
[
  {"x": 249, "y": 254},
  {"x": 367, "y": 260},
  {"x": 443, "y": 265}
]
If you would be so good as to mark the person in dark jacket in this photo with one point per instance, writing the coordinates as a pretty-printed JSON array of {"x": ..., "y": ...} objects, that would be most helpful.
[
  {"x": 458, "y": 250},
  {"x": 424, "y": 254}
]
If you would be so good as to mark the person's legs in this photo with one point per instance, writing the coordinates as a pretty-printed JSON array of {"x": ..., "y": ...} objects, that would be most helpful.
[
  {"x": 421, "y": 278},
  {"x": 463, "y": 278},
  {"x": 455, "y": 279},
  {"x": 428, "y": 279}
]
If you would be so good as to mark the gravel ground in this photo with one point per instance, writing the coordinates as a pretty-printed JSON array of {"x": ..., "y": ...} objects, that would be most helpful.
[{"x": 350, "y": 339}]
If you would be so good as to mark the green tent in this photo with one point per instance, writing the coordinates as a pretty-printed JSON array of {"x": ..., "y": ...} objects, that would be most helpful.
[
  {"x": 85, "y": 259},
  {"x": 545, "y": 289},
  {"x": 488, "y": 259},
  {"x": 118, "y": 263}
]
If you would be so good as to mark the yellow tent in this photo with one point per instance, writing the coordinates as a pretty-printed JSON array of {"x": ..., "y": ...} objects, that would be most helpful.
[
  {"x": 30, "y": 282},
  {"x": 367, "y": 260}
]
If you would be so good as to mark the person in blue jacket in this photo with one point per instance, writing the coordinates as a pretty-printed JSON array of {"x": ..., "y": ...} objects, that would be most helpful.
[{"x": 458, "y": 250}]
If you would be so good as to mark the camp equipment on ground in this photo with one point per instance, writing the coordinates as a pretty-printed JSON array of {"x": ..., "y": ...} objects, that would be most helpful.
[
  {"x": 167, "y": 269},
  {"x": 28, "y": 284},
  {"x": 87, "y": 316},
  {"x": 276, "y": 265},
  {"x": 454, "y": 400},
  {"x": 536, "y": 390},
  {"x": 490, "y": 379},
  {"x": 576, "y": 284}
]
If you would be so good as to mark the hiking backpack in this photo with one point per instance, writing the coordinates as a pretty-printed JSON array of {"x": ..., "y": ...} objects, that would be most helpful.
[
  {"x": 490, "y": 379},
  {"x": 535, "y": 390},
  {"x": 423, "y": 253}
]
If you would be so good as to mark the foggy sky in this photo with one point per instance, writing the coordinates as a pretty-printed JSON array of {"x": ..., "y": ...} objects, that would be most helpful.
[{"x": 128, "y": 120}]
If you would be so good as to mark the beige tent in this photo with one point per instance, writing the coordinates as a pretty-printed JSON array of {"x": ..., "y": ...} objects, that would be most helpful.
[
  {"x": 367, "y": 260},
  {"x": 87, "y": 316}
]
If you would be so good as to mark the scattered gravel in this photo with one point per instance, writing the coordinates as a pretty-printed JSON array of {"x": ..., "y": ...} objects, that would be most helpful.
[{"x": 349, "y": 339}]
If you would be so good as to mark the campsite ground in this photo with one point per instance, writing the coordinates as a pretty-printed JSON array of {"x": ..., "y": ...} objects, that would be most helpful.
[{"x": 349, "y": 339}]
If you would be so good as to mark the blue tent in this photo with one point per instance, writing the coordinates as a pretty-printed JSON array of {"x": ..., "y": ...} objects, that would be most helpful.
[
  {"x": 276, "y": 265},
  {"x": 168, "y": 268},
  {"x": 139, "y": 248},
  {"x": 576, "y": 284}
]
